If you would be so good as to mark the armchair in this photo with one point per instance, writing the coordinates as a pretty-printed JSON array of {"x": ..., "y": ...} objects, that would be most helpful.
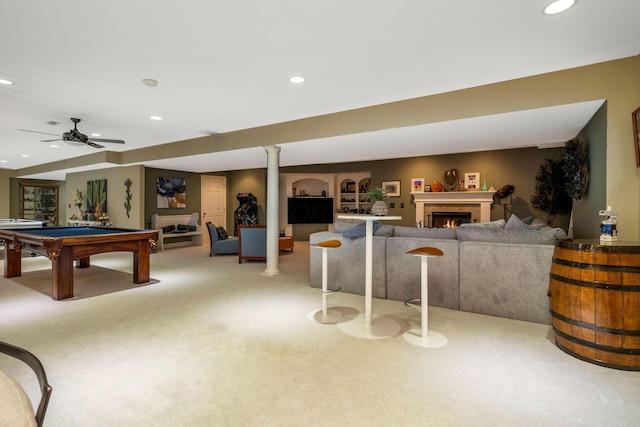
[
  {"x": 16, "y": 406},
  {"x": 253, "y": 242},
  {"x": 226, "y": 246}
]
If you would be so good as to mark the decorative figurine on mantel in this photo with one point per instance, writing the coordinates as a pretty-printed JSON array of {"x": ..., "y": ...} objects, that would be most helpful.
[{"x": 451, "y": 179}]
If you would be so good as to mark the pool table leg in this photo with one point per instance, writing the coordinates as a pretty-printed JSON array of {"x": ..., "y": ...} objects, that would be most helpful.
[
  {"x": 12, "y": 262},
  {"x": 83, "y": 262},
  {"x": 62, "y": 275},
  {"x": 141, "y": 267}
]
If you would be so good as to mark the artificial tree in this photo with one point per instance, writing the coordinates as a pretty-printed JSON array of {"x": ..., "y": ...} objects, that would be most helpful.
[
  {"x": 550, "y": 195},
  {"x": 561, "y": 182}
]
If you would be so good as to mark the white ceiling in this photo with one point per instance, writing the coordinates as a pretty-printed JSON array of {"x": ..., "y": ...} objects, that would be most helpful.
[{"x": 224, "y": 66}]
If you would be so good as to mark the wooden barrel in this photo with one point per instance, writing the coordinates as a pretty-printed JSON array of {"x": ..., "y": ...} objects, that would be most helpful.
[{"x": 594, "y": 295}]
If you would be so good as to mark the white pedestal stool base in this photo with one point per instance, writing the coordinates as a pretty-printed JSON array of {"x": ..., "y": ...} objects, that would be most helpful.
[
  {"x": 332, "y": 316},
  {"x": 432, "y": 340},
  {"x": 381, "y": 327}
]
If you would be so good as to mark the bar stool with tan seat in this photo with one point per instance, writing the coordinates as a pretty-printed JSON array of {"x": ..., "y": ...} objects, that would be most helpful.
[
  {"x": 424, "y": 337},
  {"x": 326, "y": 315}
]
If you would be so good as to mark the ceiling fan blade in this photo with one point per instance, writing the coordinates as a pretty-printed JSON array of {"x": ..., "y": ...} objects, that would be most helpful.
[
  {"x": 50, "y": 140},
  {"x": 113, "y": 141},
  {"x": 44, "y": 133},
  {"x": 94, "y": 145}
]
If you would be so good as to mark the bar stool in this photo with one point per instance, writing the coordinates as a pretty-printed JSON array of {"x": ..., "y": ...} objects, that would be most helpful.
[
  {"x": 424, "y": 337},
  {"x": 326, "y": 315}
]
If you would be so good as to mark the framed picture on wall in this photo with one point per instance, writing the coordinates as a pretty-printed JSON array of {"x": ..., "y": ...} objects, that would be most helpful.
[
  {"x": 417, "y": 185},
  {"x": 636, "y": 134},
  {"x": 392, "y": 188},
  {"x": 472, "y": 181},
  {"x": 171, "y": 193}
]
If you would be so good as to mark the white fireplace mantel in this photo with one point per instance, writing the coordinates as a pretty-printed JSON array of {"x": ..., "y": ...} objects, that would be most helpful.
[{"x": 482, "y": 198}]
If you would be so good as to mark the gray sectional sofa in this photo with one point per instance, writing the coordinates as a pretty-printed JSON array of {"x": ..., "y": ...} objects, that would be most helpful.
[{"x": 497, "y": 268}]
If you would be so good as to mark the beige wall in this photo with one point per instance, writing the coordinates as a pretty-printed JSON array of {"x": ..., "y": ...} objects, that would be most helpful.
[
  {"x": 248, "y": 181},
  {"x": 115, "y": 194}
]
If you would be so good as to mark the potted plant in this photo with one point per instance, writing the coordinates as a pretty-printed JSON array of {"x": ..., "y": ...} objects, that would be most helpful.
[{"x": 378, "y": 194}]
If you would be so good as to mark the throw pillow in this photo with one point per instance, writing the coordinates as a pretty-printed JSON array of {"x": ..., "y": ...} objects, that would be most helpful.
[
  {"x": 342, "y": 226},
  {"x": 186, "y": 227},
  {"x": 168, "y": 228},
  {"x": 222, "y": 233},
  {"x": 384, "y": 231},
  {"x": 515, "y": 223},
  {"x": 360, "y": 230}
]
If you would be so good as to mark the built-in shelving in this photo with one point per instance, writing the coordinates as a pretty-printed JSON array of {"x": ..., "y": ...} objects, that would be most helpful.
[
  {"x": 353, "y": 188},
  {"x": 39, "y": 202}
]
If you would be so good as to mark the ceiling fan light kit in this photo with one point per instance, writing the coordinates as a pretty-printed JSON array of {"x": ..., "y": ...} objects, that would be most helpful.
[{"x": 76, "y": 138}]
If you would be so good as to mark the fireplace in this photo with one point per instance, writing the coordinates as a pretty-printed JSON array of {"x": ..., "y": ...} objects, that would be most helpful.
[
  {"x": 478, "y": 203},
  {"x": 449, "y": 219}
]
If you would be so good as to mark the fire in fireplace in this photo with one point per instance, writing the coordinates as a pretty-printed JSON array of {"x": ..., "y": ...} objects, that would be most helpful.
[{"x": 450, "y": 219}]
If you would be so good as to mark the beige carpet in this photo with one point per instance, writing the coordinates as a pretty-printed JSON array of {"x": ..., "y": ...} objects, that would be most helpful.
[{"x": 213, "y": 343}]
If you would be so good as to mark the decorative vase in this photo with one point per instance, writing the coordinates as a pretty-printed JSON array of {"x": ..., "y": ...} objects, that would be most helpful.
[
  {"x": 379, "y": 208},
  {"x": 484, "y": 185}
]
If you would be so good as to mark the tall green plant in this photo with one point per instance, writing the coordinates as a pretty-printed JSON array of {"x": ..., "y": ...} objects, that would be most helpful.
[{"x": 550, "y": 195}]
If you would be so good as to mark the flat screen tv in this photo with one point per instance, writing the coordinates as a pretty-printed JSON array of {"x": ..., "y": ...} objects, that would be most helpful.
[{"x": 310, "y": 210}]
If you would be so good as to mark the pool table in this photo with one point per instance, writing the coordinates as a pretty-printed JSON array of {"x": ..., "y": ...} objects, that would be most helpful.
[{"x": 63, "y": 245}]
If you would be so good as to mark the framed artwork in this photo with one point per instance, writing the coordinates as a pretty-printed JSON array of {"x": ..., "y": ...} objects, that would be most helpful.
[
  {"x": 472, "y": 181},
  {"x": 636, "y": 134},
  {"x": 97, "y": 195},
  {"x": 417, "y": 185},
  {"x": 392, "y": 188},
  {"x": 171, "y": 193}
]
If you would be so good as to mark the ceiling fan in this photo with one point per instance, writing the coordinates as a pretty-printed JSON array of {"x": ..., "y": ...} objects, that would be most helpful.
[{"x": 74, "y": 137}]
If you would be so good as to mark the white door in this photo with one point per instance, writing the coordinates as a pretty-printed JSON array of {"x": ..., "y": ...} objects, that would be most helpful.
[{"x": 213, "y": 201}]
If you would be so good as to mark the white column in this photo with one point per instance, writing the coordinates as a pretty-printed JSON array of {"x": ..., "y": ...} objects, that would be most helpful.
[{"x": 273, "y": 226}]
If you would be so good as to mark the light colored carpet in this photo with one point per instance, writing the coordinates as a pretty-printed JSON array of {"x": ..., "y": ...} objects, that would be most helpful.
[{"x": 213, "y": 343}]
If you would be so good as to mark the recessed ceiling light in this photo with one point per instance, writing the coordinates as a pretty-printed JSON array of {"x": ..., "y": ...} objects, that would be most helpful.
[
  {"x": 54, "y": 146},
  {"x": 96, "y": 134},
  {"x": 4, "y": 161},
  {"x": 150, "y": 82},
  {"x": 155, "y": 118},
  {"x": 5, "y": 82},
  {"x": 558, "y": 6},
  {"x": 297, "y": 79},
  {"x": 24, "y": 155}
]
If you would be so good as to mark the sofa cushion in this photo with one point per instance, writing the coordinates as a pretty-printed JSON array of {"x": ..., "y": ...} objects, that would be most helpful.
[
  {"x": 543, "y": 236},
  {"x": 16, "y": 406},
  {"x": 424, "y": 233},
  {"x": 497, "y": 224}
]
